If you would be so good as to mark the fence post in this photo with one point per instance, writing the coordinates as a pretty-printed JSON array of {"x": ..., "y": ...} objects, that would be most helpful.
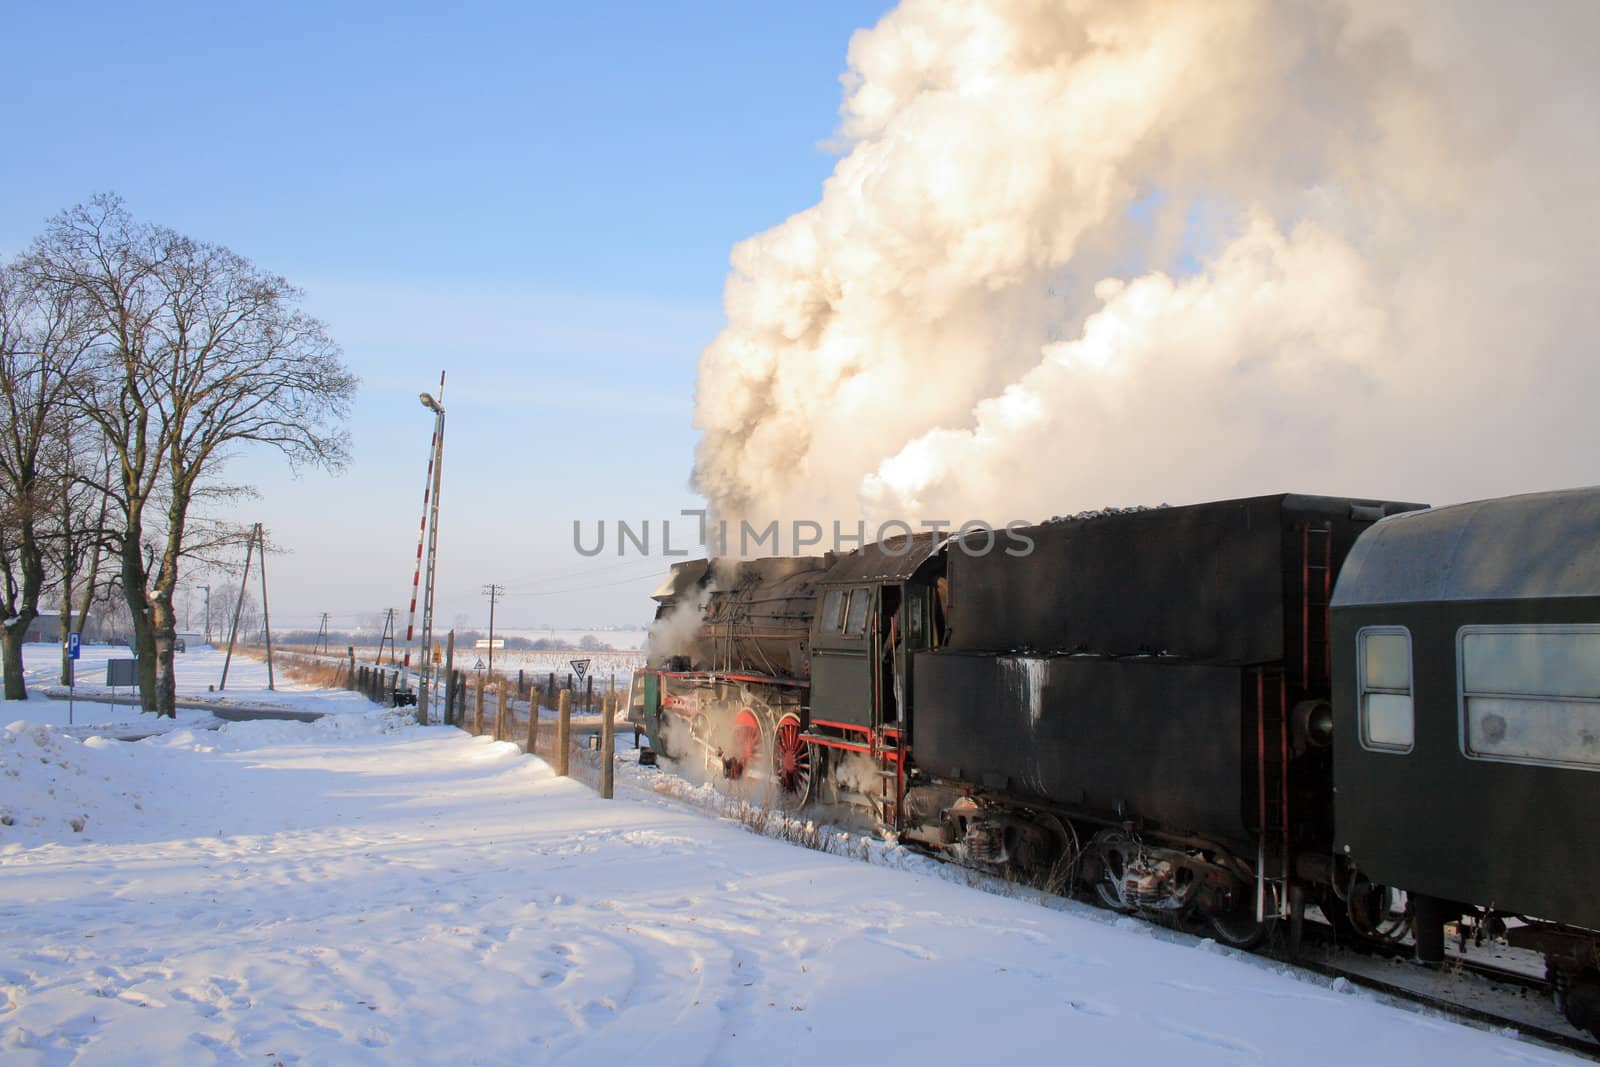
[
  {"x": 500, "y": 712},
  {"x": 550, "y": 692},
  {"x": 350, "y": 679},
  {"x": 477, "y": 707},
  {"x": 449, "y": 678},
  {"x": 533, "y": 720},
  {"x": 608, "y": 746},
  {"x": 563, "y": 731}
]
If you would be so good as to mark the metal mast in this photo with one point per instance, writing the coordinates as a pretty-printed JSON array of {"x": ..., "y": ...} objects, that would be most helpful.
[{"x": 436, "y": 462}]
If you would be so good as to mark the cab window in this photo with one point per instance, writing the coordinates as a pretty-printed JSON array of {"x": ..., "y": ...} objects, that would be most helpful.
[
  {"x": 833, "y": 611},
  {"x": 856, "y": 616}
]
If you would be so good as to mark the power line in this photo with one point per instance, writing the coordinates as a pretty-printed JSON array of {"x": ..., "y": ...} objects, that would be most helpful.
[
  {"x": 541, "y": 580},
  {"x": 582, "y": 588}
]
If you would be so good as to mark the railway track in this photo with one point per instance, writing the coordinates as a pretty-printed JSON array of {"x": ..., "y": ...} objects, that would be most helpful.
[{"x": 1498, "y": 997}]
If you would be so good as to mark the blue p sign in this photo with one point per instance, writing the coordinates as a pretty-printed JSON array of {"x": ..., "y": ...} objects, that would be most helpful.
[{"x": 72, "y": 645}]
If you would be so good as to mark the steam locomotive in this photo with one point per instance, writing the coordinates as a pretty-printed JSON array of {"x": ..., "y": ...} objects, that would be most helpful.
[{"x": 1230, "y": 712}]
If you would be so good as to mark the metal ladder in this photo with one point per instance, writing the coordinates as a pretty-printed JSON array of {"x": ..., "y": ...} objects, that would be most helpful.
[
  {"x": 1316, "y": 594},
  {"x": 1272, "y": 793}
]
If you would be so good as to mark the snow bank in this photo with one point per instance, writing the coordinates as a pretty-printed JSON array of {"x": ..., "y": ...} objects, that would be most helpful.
[
  {"x": 264, "y": 733},
  {"x": 55, "y": 788}
]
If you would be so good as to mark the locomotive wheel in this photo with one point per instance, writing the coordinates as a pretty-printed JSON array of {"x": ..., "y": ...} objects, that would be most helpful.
[
  {"x": 1372, "y": 913},
  {"x": 745, "y": 745},
  {"x": 792, "y": 765},
  {"x": 1241, "y": 930},
  {"x": 1113, "y": 850}
]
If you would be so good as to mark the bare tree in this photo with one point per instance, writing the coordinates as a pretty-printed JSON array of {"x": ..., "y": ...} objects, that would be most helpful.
[
  {"x": 78, "y": 540},
  {"x": 201, "y": 353},
  {"x": 42, "y": 341}
]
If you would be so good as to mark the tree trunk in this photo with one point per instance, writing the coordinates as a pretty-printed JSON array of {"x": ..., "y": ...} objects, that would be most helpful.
[
  {"x": 22, "y": 612},
  {"x": 144, "y": 642},
  {"x": 164, "y": 626},
  {"x": 65, "y": 628},
  {"x": 11, "y": 635},
  {"x": 163, "y": 618}
]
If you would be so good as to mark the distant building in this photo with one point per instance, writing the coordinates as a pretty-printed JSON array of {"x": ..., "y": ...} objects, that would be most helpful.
[{"x": 47, "y": 628}]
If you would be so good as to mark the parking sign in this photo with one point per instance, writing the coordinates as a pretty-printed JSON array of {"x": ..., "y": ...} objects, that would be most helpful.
[{"x": 72, "y": 645}]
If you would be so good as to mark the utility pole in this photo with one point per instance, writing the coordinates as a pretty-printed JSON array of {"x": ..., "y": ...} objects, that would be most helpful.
[
  {"x": 430, "y": 503},
  {"x": 257, "y": 537},
  {"x": 322, "y": 635},
  {"x": 207, "y": 588},
  {"x": 387, "y": 637},
  {"x": 493, "y": 592}
]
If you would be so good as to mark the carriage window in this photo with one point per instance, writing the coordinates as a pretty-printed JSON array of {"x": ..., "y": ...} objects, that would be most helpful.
[
  {"x": 856, "y": 621},
  {"x": 1388, "y": 722},
  {"x": 1531, "y": 694},
  {"x": 832, "y": 610}
]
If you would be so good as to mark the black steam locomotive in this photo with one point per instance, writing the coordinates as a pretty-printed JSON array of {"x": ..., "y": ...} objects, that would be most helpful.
[{"x": 1232, "y": 711}]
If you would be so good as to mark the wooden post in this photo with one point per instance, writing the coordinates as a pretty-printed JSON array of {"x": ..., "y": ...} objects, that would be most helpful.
[
  {"x": 500, "y": 712},
  {"x": 477, "y": 708},
  {"x": 550, "y": 692},
  {"x": 450, "y": 679},
  {"x": 533, "y": 721},
  {"x": 608, "y": 745},
  {"x": 563, "y": 732},
  {"x": 350, "y": 681}
]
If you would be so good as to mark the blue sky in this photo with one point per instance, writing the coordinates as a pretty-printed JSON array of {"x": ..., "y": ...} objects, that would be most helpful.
[{"x": 539, "y": 199}]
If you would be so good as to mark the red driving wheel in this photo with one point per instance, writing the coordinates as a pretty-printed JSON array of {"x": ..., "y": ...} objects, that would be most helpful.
[{"x": 791, "y": 764}]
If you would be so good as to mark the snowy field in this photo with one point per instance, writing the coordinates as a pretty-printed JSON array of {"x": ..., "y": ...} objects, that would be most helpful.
[
  {"x": 607, "y": 668},
  {"x": 199, "y": 670},
  {"x": 362, "y": 890}
]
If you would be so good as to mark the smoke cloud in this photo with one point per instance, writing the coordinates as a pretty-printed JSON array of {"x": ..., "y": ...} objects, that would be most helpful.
[
  {"x": 677, "y": 632},
  {"x": 1088, "y": 252}
]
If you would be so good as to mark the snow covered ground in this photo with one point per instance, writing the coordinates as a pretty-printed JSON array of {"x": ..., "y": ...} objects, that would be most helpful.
[
  {"x": 199, "y": 671},
  {"x": 362, "y": 890}
]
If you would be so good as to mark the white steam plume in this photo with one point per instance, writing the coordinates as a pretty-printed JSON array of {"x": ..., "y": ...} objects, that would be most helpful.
[
  {"x": 676, "y": 632},
  {"x": 1081, "y": 252}
]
